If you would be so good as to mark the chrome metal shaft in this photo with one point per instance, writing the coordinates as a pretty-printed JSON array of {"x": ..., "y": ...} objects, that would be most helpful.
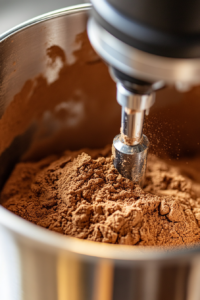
[
  {"x": 132, "y": 126},
  {"x": 131, "y": 146}
]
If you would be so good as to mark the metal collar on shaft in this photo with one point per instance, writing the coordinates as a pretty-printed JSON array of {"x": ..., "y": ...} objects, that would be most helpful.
[{"x": 134, "y": 101}]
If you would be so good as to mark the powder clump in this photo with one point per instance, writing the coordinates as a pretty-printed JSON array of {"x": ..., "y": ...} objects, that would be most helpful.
[{"x": 81, "y": 194}]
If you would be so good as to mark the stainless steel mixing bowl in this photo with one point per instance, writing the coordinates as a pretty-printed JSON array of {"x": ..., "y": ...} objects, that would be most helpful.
[{"x": 37, "y": 264}]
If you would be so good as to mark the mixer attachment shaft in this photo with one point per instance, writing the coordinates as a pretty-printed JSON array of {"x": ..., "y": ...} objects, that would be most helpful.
[{"x": 131, "y": 146}]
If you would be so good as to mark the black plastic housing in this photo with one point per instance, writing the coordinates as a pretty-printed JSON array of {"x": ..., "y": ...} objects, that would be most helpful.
[{"x": 169, "y": 28}]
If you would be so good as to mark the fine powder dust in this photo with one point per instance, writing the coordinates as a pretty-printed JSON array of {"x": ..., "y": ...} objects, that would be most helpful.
[{"x": 81, "y": 194}]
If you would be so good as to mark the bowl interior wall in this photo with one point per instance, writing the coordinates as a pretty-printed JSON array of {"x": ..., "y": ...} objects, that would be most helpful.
[{"x": 56, "y": 94}]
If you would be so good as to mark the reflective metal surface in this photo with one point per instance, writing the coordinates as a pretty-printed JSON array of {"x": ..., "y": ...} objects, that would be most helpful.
[
  {"x": 131, "y": 160},
  {"x": 133, "y": 110},
  {"x": 139, "y": 64},
  {"x": 37, "y": 264},
  {"x": 19, "y": 63},
  {"x": 14, "y": 12},
  {"x": 134, "y": 101},
  {"x": 132, "y": 126}
]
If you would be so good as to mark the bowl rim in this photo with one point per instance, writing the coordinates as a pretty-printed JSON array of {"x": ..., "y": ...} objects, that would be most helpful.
[
  {"x": 41, "y": 237},
  {"x": 44, "y": 17}
]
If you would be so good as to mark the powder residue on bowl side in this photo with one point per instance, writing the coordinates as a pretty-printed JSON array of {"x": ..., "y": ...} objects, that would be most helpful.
[{"x": 81, "y": 194}]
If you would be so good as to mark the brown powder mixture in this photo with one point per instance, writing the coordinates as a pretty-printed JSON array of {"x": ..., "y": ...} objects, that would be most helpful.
[{"x": 83, "y": 195}]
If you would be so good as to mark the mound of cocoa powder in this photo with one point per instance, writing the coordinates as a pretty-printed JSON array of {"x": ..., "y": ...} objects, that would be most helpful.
[{"x": 81, "y": 194}]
